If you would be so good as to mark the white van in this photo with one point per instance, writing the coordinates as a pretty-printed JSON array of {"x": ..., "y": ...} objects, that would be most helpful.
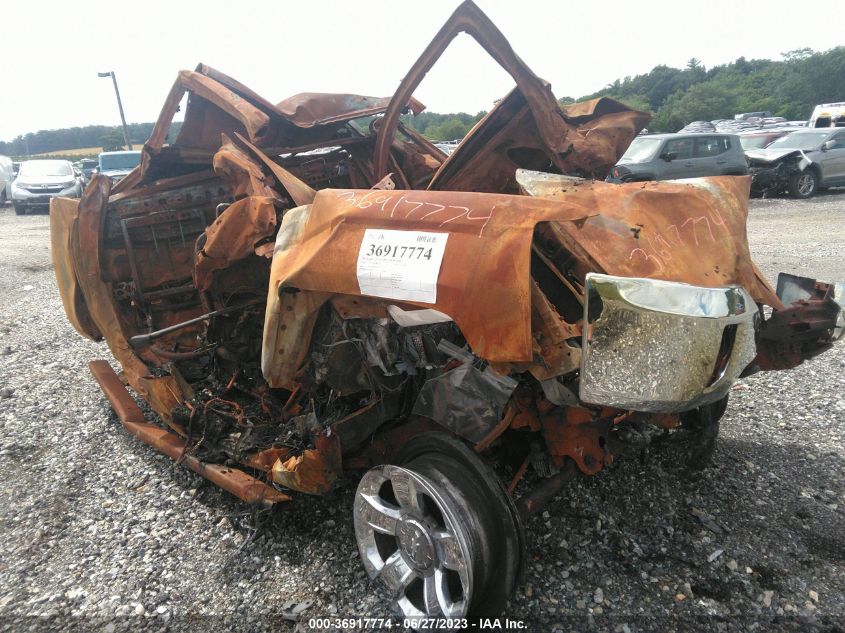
[
  {"x": 7, "y": 175},
  {"x": 828, "y": 115}
]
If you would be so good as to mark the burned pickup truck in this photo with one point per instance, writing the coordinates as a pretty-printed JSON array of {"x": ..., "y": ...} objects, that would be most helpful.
[
  {"x": 799, "y": 163},
  {"x": 311, "y": 292}
]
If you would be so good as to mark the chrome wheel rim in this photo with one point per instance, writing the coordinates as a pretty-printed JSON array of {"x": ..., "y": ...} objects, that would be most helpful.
[
  {"x": 805, "y": 184},
  {"x": 410, "y": 539}
]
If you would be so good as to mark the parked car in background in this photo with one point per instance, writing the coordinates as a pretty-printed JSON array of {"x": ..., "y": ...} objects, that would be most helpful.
[
  {"x": 763, "y": 114},
  {"x": 758, "y": 139},
  {"x": 7, "y": 175},
  {"x": 88, "y": 167},
  {"x": 116, "y": 165},
  {"x": 673, "y": 156},
  {"x": 447, "y": 147},
  {"x": 39, "y": 181},
  {"x": 799, "y": 163}
]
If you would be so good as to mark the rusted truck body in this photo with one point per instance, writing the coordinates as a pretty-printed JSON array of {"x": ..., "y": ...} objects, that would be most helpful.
[{"x": 312, "y": 289}]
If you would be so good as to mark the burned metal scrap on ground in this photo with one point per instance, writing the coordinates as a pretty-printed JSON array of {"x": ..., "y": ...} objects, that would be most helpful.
[{"x": 299, "y": 297}]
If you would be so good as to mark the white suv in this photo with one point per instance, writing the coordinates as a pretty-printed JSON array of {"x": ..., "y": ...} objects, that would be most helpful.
[
  {"x": 7, "y": 175},
  {"x": 39, "y": 181}
]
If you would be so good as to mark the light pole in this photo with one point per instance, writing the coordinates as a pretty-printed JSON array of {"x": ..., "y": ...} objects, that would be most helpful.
[{"x": 119, "y": 107}]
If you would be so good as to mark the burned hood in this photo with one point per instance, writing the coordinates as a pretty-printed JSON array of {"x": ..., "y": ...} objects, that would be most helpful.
[
  {"x": 115, "y": 173},
  {"x": 308, "y": 109},
  {"x": 46, "y": 181},
  {"x": 509, "y": 137},
  {"x": 693, "y": 233},
  {"x": 772, "y": 155},
  {"x": 219, "y": 105},
  {"x": 481, "y": 244}
]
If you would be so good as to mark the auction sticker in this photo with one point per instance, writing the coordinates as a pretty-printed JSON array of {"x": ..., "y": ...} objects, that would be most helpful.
[{"x": 401, "y": 264}]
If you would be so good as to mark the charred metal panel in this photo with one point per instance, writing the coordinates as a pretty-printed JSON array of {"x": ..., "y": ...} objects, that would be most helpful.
[
  {"x": 641, "y": 230},
  {"x": 63, "y": 218},
  {"x": 467, "y": 400},
  {"x": 812, "y": 320},
  {"x": 485, "y": 266},
  {"x": 528, "y": 119},
  {"x": 233, "y": 236}
]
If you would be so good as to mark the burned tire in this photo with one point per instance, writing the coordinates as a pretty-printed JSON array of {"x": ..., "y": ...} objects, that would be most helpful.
[
  {"x": 701, "y": 429},
  {"x": 804, "y": 184},
  {"x": 439, "y": 531}
]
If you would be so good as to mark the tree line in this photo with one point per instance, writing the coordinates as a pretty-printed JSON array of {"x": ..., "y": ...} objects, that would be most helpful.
[
  {"x": 74, "y": 138},
  {"x": 435, "y": 126},
  {"x": 443, "y": 127},
  {"x": 789, "y": 87},
  {"x": 106, "y": 137}
]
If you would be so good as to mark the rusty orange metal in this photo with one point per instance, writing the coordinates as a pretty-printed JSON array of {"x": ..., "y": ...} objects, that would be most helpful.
[
  {"x": 256, "y": 207},
  {"x": 313, "y": 471},
  {"x": 489, "y": 235},
  {"x": 703, "y": 242},
  {"x": 527, "y": 122},
  {"x": 519, "y": 474},
  {"x": 221, "y": 105},
  {"x": 492, "y": 235},
  {"x": 132, "y": 418},
  {"x": 505, "y": 423},
  {"x": 264, "y": 459},
  {"x": 63, "y": 219},
  {"x": 579, "y": 434},
  {"x": 308, "y": 109},
  {"x": 234, "y": 236}
]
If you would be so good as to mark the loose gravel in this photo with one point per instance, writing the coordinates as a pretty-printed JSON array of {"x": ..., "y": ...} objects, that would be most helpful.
[{"x": 100, "y": 533}]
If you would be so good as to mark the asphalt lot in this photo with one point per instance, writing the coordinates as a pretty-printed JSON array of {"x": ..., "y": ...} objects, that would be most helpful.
[{"x": 100, "y": 532}]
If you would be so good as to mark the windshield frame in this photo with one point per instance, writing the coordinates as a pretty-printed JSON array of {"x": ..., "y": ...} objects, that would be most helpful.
[
  {"x": 756, "y": 141},
  {"x": 784, "y": 141},
  {"x": 649, "y": 144},
  {"x": 123, "y": 161},
  {"x": 28, "y": 169}
]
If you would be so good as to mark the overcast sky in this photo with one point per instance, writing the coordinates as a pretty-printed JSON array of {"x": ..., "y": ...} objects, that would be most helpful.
[{"x": 279, "y": 48}]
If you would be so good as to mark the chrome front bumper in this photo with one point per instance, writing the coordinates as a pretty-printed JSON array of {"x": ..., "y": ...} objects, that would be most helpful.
[{"x": 661, "y": 346}]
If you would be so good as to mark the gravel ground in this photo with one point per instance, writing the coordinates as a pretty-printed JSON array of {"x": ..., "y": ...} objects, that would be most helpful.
[{"x": 99, "y": 532}]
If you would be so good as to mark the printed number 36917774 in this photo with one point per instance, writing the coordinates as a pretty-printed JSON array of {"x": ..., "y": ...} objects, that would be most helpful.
[
  {"x": 402, "y": 265},
  {"x": 399, "y": 252}
]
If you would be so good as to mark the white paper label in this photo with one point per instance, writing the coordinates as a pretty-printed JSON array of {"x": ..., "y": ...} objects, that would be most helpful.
[{"x": 401, "y": 264}]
